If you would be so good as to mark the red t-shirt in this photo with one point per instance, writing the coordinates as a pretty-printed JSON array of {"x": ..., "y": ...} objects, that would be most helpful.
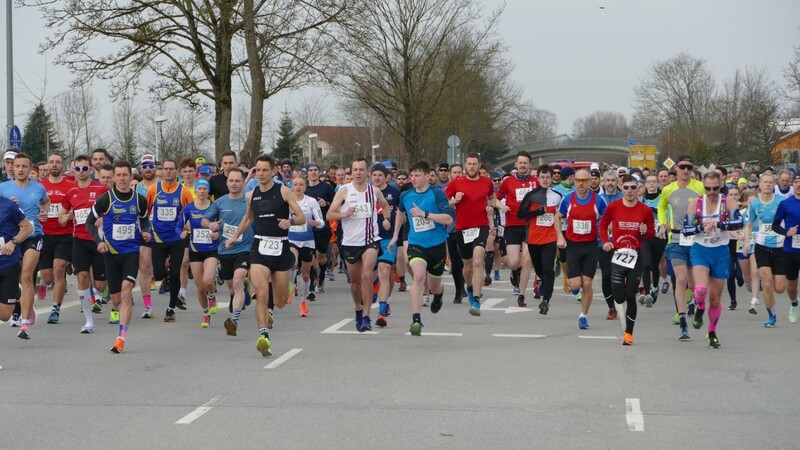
[
  {"x": 80, "y": 201},
  {"x": 57, "y": 193},
  {"x": 625, "y": 222},
  {"x": 513, "y": 190},
  {"x": 471, "y": 210}
]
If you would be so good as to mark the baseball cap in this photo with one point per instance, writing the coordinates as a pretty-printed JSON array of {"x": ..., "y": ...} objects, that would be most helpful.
[
  {"x": 567, "y": 172},
  {"x": 9, "y": 155},
  {"x": 205, "y": 170},
  {"x": 310, "y": 165},
  {"x": 444, "y": 165},
  {"x": 595, "y": 166},
  {"x": 202, "y": 182},
  {"x": 147, "y": 159},
  {"x": 684, "y": 158},
  {"x": 380, "y": 167},
  {"x": 623, "y": 169},
  {"x": 596, "y": 173},
  {"x": 200, "y": 160},
  {"x": 387, "y": 164}
]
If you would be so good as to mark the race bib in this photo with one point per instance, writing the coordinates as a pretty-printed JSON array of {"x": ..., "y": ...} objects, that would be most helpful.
[
  {"x": 470, "y": 234},
  {"x": 270, "y": 246},
  {"x": 765, "y": 229},
  {"x": 582, "y": 226},
  {"x": 363, "y": 210},
  {"x": 54, "y": 211},
  {"x": 298, "y": 228},
  {"x": 521, "y": 193},
  {"x": 546, "y": 220},
  {"x": 121, "y": 232},
  {"x": 740, "y": 246},
  {"x": 81, "y": 215},
  {"x": 421, "y": 224},
  {"x": 2, "y": 242},
  {"x": 229, "y": 230},
  {"x": 167, "y": 214},
  {"x": 686, "y": 241},
  {"x": 201, "y": 236},
  {"x": 796, "y": 241},
  {"x": 625, "y": 257}
]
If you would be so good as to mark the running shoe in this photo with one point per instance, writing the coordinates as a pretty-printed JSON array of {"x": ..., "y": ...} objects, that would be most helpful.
[
  {"x": 164, "y": 288},
  {"x": 475, "y": 309},
  {"x": 732, "y": 307},
  {"x": 770, "y": 323},
  {"x": 544, "y": 307},
  {"x": 654, "y": 293},
  {"x": 32, "y": 316},
  {"x": 753, "y": 305},
  {"x": 264, "y": 346},
  {"x": 402, "y": 287},
  {"x": 213, "y": 308},
  {"x": 684, "y": 334},
  {"x": 331, "y": 277},
  {"x": 641, "y": 296},
  {"x": 793, "y": 313},
  {"x": 697, "y": 320},
  {"x": 690, "y": 309},
  {"x": 676, "y": 319},
  {"x": 311, "y": 297},
  {"x": 206, "y": 322},
  {"x": 514, "y": 278},
  {"x": 515, "y": 290},
  {"x": 496, "y": 275},
  {"x": 537, "y": 293},
  {"x": 148, "y": 313},
  {"x": 713, "y": 340},
  {"x": 24, "y": 332},
  {"x": 53, "y": 317},
  {"x": 42, "y": 292},
  {"x": 664, "y": 287},
  {"x": 321, "y": 284},
  {"x": 388, "y": 308},
  {"x": 15, "y": 322},
  {"x": 583, "y": 323},
  {"x": 113, "y": 317},
  {"x": 648, "y": 301},
  {"x": 304, "y": 308},
  {"x": 426, "y": 301},
  {"x": 153, "y": 285},
  {"x": 521, "y": 301},
  {"x": 627, "y": 339},
  {"x": 87, "y": 328},
  {"x": 415, "y": 329},
  {"x": 612, "y": 314},
  {"x": 169, "y": 316},
  {"x": 97, "y": 308},
  {"x": 579, "y": 296},
  {"x": 457, "y": 299},
  {"x": 366, "y": 324},
  {"x": 436, "y": 304},
  {"x": 487, "y": 280},
  {"x": 230, "y": 327},
  {"x": 381, "y": 321},
  {"x": 119, "y": 345},
  {"x": 181, "y": 302}
]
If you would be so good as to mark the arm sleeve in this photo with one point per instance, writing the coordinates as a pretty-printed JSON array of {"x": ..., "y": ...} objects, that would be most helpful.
[
  {"x": 316, "y": 212},
  {"x": 779, "y": 216},
  {"x": 734, "y": 222},
  {"x": 524, "y": 211},
  {"x": 144, "y": 216}
]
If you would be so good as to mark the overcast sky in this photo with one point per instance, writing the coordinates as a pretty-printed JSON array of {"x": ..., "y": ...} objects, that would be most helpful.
[{"x": 571, "y": 57}]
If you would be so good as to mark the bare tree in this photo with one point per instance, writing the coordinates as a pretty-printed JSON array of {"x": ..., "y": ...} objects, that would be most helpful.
[
  {"x": 531, "y": 124},
  {"x": 602, "y": 124},
  {"x": 184, "y": 133},
  {"x": 677, "y": 95},
  {"x": 75, "y": 115},
  {"x": 125, "y": 126},
  {"x": 312, "y": 111},
  {"x": 792, "y": 75},
  {"x": 398, "y": 58}
]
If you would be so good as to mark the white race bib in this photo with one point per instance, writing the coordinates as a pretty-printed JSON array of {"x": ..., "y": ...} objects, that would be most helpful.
[
  {"x": 546, "y": 220},
  {"x": 521, "y": 193},
  {"x": 766, "y": 229},
  {"x": 81, "y": 215},
  {"x": 298, "y": 228},
  {"x": 229, "y": 230},
  {"x": 740, "y": 246},
  {"x": 422, "y": 224},
  {"x": 796, "y": 241},
  {"x": 625, "y": 257},
  {"x": 2, "y": 242},
  {"x": 470, "y": 234},
  {"x": 121, "y": 232},
  {"x": 54, "y": 211},
  {"x": 168, "y": 214},
  {"x": 686, "y": 241},
  {"x": 581, "y": 226},
  {"x": 363, "y": 210},
  {"x": 270, "y": 246},
  {"x": 201, "y": 236}
]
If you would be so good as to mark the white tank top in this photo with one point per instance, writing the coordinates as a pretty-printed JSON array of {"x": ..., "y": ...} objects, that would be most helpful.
[
  {"x": 718, "y": 237},
  {"x": 360, "y": 229}
]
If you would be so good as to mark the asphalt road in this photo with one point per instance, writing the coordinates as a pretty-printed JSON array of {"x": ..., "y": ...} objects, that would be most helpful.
[{"x": 508, "y": 379}]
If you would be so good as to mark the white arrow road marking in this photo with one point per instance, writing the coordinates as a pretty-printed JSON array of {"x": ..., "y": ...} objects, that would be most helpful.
[
  {"x": 633, "y": 414},
  {"x": 334, "y": 329},
  {"x": 194, "y": 415}
]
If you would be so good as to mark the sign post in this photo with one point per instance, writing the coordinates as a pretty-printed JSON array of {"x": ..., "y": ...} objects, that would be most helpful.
[
  {"x": 15, "y": 137},
  {"x": 453, "y": 151}
]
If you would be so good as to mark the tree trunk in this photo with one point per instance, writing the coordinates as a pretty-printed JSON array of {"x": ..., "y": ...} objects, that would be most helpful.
[{"x": 253, "y": 142}]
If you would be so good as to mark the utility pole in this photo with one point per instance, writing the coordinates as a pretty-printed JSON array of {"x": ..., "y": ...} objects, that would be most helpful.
[{"x": 9, "y": 68}]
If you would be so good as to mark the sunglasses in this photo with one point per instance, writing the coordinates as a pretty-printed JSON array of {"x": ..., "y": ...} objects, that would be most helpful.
[
  {"x": 581, "y": 180},
  {"x": 496, "y": 180},
  {"x": 556, "y": 173},
  {"x": 685, "y": 167},
  {"x": 443, "y": 170},
  {"x": 711, "y": 189},
  {"x": 629, "y": 187},
  {"x": 148, "y": 166},
  {"x": 402, "y": 178},
  {"x": 81, "y": 168}
]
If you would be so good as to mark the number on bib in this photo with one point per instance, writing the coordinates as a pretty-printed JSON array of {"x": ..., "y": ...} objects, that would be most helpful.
[
  {"x": 521, "y": 193},
  {"x": 362, "y": 210},
  {"x": 201, "y": 236},
  {"x": 54, "y": 211},
  {"x": 270, "y": 247},
  {"x": 582, "y": 226},
  {"x": 229, "y": 230},
  {"x": 625, "y": 257},
  {"x": 796, "y": 241},
  {"x": 470, "y": 234},
  {"x": 81, "y": 215},
  {"x": 766, "y": 229},
  {"x": 546, "y": 220},
  {"x": 686, "y": 241},
  {"x": 421, "y": 224},
  {"x": 167, "y": 214},
  {"x": 120, "y": 232}
]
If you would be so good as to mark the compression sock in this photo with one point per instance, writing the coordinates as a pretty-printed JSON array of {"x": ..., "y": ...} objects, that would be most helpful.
[
  {"x": 235, "y": 316},
  {"x": 700, "y": 293},
  {"x": 382, "y": 308},
  {"x": 123, "y": 330},
  {"x": 304, "y": 285},
  {"x": 683, "y": 320},
  {"x": 488, "y": 262},
  {"x": 771, "y": 311},
  {"x": 148, "y": 302},
  {"x": 86, "y": 303},
  {"x": 714, "y": 313}
]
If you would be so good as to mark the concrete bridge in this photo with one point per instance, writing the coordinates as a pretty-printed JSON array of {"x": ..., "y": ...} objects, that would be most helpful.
[{"x": 610, "y": 151}]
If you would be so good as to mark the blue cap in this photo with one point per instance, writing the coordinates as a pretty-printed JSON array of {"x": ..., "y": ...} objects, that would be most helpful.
[
  {"x": 202, "y": 182},
  {"x": 566, "y": 172},
  {"x": 387, "y": 164},
  {"x": 205, "y": 170}
]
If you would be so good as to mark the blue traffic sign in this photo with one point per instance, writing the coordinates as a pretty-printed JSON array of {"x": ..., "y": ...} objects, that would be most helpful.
[
  {"x": 15, "y": 137},
  {"x": 632, "y": 141}
]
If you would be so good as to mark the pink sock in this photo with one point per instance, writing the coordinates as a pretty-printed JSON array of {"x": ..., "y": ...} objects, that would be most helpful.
[
  {"x": 714, "y": 313},
  {"x": 147, "y": 302},
  {"x": 700, "y": 293}
]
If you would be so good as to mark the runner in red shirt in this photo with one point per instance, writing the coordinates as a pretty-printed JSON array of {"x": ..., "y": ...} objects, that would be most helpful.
[
  {"x": 631, "y": 222},
  {"x": 76, "y": 207},
  {"x": 470, "y": 195},
  {"x": 513, "y": 190},
  {"x": 57, "y": 246}
]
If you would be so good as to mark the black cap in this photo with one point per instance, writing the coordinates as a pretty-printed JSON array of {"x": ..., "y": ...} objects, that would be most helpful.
[
  {"x": 444, "y": 165},
  {"x": 380, "y": 167},
  {"x": 684, "y": 158},
  {"x": 596, "y": 173}
]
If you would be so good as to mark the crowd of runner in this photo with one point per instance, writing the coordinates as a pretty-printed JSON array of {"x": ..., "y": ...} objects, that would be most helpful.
[{"x": 272, "y": 232}]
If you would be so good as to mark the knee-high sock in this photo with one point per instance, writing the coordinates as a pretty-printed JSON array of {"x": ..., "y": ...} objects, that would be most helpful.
[
  {"x": 85, "y": 297},
  {"x": 714, "y": 313},
  {"x": 630, "y": 315},
  {"x": 489, "y": 262},
  {"x": 700, "y": 293},
  {"x": 304, "y": 285}
]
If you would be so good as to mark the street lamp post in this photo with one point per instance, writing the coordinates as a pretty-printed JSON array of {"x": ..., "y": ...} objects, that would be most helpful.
[
  {"x": 375, "y": 147},
  {"x": 9, "y": 67},
  {"x": 159, "y": 121},
  {"x": 311, "y": 138}
]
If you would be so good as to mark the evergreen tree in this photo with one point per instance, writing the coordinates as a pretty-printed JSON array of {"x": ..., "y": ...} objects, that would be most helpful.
[
  {"x": 286, "y": 146},
  {"x": 37, "y": 131}
]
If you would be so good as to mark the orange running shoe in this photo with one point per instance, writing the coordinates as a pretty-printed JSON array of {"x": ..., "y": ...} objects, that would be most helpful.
[
  {"x": 304, "y": 308},
  {"x": 627, "y": 339},
  {"x": 119, "y": 345}
]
